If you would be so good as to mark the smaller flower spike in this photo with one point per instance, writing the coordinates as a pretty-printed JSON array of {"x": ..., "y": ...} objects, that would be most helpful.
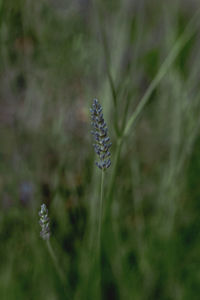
[
  {"x": 100, "y": 133},
  {"x": 44, "y": 222}
]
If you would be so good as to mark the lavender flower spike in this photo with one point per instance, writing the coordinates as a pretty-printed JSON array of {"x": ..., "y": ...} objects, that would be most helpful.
[
  {"x": 44, "y": 222},
  {"x": 100, "y": 133}
]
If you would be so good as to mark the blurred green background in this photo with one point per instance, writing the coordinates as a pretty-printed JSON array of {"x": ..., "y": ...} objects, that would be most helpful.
[{"x": 55, "y": 57}]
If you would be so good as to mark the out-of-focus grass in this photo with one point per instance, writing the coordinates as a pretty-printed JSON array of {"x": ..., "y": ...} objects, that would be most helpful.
[{"x": 54, "y": 58}]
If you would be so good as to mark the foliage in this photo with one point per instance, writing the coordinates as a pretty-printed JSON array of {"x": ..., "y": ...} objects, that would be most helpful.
[{"x": 141, "y": 60}]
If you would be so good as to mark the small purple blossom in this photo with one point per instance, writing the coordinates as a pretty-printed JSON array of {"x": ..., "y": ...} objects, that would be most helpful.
[
  {"x": 100, "y": 133},
  {"x": 44, "y": 222}
]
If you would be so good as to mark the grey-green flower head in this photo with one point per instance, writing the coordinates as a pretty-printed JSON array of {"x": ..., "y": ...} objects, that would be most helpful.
[
  {"x": 44, "y": 222},
  {"x": 100, "y": 133}
]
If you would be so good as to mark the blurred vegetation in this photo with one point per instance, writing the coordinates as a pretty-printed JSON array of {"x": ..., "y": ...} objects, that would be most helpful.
[{"x": 55, "y": 57}]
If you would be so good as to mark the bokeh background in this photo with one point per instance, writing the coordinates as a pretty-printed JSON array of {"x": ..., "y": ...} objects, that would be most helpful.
[{"x": 55, "y": 57}]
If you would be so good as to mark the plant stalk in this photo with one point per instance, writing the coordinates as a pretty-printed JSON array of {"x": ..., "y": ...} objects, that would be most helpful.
[
  {"x": 100, "y": 212},
  {"x": 55, "y": 262}
]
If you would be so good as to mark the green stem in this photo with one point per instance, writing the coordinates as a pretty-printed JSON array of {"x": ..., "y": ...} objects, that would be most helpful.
[
  {"x": 111, "y": 81},
  {"x": 115, "y": 166},
  {"x": 98, "y": 257},
  {"x": 100, "y": 212},
  {"x": 55, "y": 262},
  {"x": 101, "y": 25},
  {"x": 180, "y": 43}
]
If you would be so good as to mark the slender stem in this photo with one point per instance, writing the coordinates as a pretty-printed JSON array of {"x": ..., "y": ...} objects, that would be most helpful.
[
  {"x": 55, "y": 262},
  {"x": 99, "y": 235},
  {"x": 110, "y": 78},
  {"x": 100, "y": 212},
  {"x": 180, "y": 43},
  {"x": 106, "y": 52},
  {"x": 114, "y": 169},
  {"x": 104, "y": 39},
  {"x": 125, "y": 113}
]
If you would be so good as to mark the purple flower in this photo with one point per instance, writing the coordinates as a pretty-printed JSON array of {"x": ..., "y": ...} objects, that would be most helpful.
[
  {"x": 44, "y": 222},
  {"x": 100, "y": 134}
]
